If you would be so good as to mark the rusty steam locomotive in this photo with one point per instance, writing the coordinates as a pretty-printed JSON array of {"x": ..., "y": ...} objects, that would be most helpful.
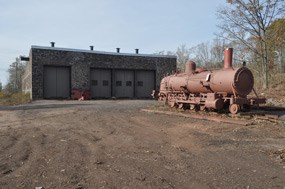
[{"x": 202, "y": 89}]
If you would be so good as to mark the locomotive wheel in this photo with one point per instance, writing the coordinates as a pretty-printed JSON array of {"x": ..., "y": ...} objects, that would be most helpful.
[
  {"x": 180, "y": 105},
  {"x": 234, "y": 108},
  {"x": 171, "y": 103},
  {"x": 192, "y": 106},
  {"x": 202, "y": 107},
  {"x": 163, "y": 100}
]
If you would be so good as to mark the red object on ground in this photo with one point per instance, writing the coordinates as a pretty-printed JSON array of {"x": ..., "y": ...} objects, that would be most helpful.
[
  {"x": 77, "y": 94},
  {"x": 86, "y": 94}
]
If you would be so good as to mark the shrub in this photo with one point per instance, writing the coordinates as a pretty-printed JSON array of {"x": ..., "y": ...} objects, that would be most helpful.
[{"x": 14, "y": 98}]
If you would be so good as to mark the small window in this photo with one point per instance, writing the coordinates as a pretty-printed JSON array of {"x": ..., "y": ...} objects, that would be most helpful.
[
  {"x": 94, "y": 82},
  {"x": 118, "y": 83},
  {"x": 128, "y": 83},
  {"x": 105, "y": 82},
  {"x": 140, "y": 83}
]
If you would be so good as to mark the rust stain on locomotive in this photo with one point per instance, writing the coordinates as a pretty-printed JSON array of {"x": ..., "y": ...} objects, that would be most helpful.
[{"x": 199, "y": 88}]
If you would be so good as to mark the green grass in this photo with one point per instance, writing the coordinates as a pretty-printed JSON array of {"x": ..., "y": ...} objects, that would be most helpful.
[{"x": 9, "y": 99}]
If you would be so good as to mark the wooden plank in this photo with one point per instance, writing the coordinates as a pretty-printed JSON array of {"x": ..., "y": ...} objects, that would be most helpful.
[{"x": 202, "y": 117}]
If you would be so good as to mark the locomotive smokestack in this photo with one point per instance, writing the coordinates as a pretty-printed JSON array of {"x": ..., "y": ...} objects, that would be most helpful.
[
  {"x": 190, "y": 67},
  {"x": 228, "y": 58}
]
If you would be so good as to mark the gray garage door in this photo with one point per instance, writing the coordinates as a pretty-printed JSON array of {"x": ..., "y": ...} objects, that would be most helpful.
[
  {"x": 56, "y": 82},
  {"x": 100, "y": 83},
  {"x": 144, "y": 83},
  {"x": 124, "y": 83}
]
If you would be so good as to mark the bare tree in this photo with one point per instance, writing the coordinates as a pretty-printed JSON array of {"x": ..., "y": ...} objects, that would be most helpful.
[
  {"x": 182, "y": 54},
  {"x": 203, "y": 54},
  {"x": 247, "y": 22},
  {"x": 199, "y": 54},
  {"x": 16, "y": 72},
  {"x": 1, "y": 86},
  {"x": 209, "y": 54},
  {"x": 217, "y": 50},
  {"x": 164, "y": 53}
]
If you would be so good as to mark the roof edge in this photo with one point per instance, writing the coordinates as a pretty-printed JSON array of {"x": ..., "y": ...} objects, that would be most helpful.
[{"x": 101, "y": 52}]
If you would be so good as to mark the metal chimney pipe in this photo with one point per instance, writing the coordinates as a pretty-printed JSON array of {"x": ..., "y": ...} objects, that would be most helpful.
[
  {"x": 118, "y": 50},
  {"x": 228, "y": 58},
  {"x": 91, "y": 48},
  {"x": 137, "y": 51},
  {"x": 52, "y": 44}
]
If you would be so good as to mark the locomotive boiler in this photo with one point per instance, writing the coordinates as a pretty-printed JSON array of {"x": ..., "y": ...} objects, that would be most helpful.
[{"x": 202, "y": 89}]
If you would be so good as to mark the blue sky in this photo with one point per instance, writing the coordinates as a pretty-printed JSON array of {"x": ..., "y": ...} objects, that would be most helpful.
[{"x": 150, "y": 25}]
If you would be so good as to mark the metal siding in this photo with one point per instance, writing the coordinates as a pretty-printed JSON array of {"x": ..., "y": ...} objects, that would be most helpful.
[
  {"x": 49, "y": 82},
  {"x": 124, "y": 76},
  {"x": 100, "y": 90},
  {"x": 56, "y": 82},
  {"x": 147, "y": 79},
  {"x": 63, "y": 82}
]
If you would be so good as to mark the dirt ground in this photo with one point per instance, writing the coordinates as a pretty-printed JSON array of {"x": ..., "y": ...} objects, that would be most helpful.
[{"x": 113, "y": 144}]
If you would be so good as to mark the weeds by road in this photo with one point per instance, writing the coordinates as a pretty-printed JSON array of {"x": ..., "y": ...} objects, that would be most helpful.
[{"x": 13, "y": 98}]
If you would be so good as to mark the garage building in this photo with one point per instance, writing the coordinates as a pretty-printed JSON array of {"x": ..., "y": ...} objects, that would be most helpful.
[{"x": 52, "y": 73}]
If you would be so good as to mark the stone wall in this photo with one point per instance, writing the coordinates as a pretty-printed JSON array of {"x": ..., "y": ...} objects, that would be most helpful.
[
  {"x": 27, "y": 78},
  {"x": 81, "y": 62}
]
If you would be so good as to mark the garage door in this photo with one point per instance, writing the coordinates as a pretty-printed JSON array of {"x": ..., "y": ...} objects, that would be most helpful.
[
  {"x": 124, "y": 83},
  {"x": 100, "y": 83},
  {"x": 56, "y": 82},
  {"x": 144, "y": 84}
]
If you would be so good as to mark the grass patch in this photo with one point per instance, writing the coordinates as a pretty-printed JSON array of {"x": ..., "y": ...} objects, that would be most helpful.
[{"x": 10, "y": 99}]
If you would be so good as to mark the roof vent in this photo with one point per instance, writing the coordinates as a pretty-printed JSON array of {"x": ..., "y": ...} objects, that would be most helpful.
[
  {"x": 52, "y": 44},
  {"x": 118, "y": 50},
  {"x": 91, "y": 48},
  {"x": 23, "y": 58}
]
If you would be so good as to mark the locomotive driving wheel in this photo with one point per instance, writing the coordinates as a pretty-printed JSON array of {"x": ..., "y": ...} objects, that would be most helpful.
[
  {"x": 192, "y": 106},
  {"x": 171, "y": 104},
  {"x": 163, "y": 100},
  {"x": 181, "y": 106},
  {"x": 202, "y": 107},
  {"x": 234, "y": 108}
]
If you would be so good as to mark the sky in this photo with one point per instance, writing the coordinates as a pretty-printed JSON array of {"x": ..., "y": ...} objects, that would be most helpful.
[{"x": 149, "y": 25}]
